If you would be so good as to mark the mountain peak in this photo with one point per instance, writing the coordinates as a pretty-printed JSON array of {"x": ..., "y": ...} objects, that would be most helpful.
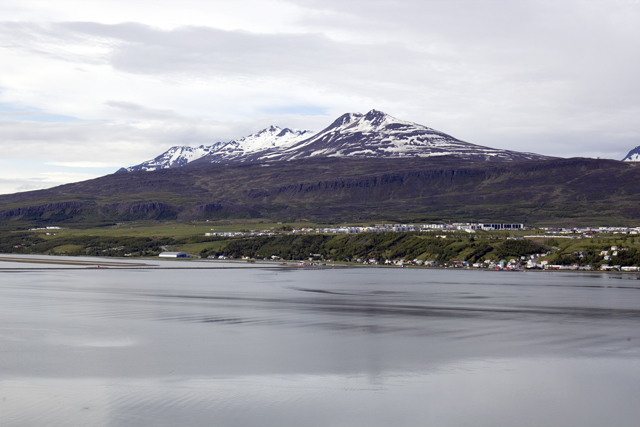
[
  {"x": 375, "y": 119},
  {"x": 375, "y": 115},
  {"x": 270, "y": 129},
  {"x": 344, "y": 120},
  {"x": 268, "y": 138},
  {"x": 377, "y": 134},
  {"x": 374, "y": 134}
]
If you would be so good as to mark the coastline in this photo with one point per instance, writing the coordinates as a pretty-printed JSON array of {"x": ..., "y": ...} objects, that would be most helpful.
[{"x": 126, "y": 264}]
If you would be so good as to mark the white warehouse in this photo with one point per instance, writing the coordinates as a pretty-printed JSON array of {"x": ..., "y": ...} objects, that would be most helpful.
[{"x": 174, "y": 255}]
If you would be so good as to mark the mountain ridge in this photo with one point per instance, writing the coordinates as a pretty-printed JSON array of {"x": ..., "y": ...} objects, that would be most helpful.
[
  {"x": 374, "y": 134},
  {"x": 178, "y": 156},
  {"x": 360, "y": 167},
  {"x": 377, "y": 134},
  {"x": 337, "y": 189}
]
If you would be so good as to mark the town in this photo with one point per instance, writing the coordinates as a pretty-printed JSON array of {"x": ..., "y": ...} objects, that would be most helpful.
[
  {"x": 468, "y": 245},
  {"x": 576, "y": 232},
  {"x": 550, "y": 256}
]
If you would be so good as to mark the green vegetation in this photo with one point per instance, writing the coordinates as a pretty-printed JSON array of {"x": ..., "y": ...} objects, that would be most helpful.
[
  {"x": 150, "y": 238},
  {"x": 114, "y": 240},
  {"x": 517, "y": 248},
  {"x": 379, "y": 246}
]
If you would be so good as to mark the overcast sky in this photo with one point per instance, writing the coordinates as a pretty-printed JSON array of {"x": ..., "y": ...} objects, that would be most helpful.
[{"x": 87, "y": 87}]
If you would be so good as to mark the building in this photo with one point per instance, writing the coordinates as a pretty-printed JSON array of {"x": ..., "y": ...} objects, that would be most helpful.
[{"x": 174, "y": 255}]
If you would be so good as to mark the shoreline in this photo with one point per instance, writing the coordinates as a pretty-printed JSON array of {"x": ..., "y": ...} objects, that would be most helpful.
[
  {"x": 99, "y": 264},
  {"x": 71, "y": 262}
]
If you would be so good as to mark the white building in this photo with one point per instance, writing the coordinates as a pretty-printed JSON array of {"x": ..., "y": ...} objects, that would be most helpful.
[{"x": 174, "y": 255}]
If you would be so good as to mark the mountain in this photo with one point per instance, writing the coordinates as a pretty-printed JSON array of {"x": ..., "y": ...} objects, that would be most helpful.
[
  {"x": 380, "y": 135},
  {"x": 258, "y": 145},
  {"x": 371, "y": 135},
  {"x": 567, "y": 192},
  {"x": 174, "y": 157},
  {"x": 223, "y": 152},
  {"x": 369, "y": 167},
  {"x": 633, "y": 156}
]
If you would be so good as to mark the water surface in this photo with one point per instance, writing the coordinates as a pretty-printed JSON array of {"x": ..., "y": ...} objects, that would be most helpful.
[{"x": 339, "y": 347}]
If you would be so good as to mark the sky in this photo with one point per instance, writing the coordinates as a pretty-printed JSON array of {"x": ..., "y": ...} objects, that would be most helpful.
[{"x": 87, "y": 87}]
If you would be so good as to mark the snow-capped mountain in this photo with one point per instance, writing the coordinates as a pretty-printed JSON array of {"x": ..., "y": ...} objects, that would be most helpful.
[
  {"x": 377, "y": 134},
  {"x": 374, "y": 134},
  {"x": 174, "y": 157},
  {"x": 633, "y": 156},
  {"x": 224, "y": 152},
  {"x": 259, "y": 145}
]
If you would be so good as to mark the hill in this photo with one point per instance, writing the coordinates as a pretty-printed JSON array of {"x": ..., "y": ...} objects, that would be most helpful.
[{"x": 559, "y": 191}]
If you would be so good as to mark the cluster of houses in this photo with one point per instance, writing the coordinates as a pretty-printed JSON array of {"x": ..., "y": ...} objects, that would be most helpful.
[
  {"x": 51, "y": 227},
  {"x": 378, "y": 228},
  {"x": 381, "y": 228},
  {"x": 606, "y": 256},
  {"x": 402, "y": 262},
  {"x": 48, "y": 230},
  {"x": 603, "y": 267},
  {"x": 513, "y": 264},
  {"x": 525, "y": 262},
  {"x": 469, "y": 227},
  {"x": 251, "y": 233},
  {"x": 590, "y": 231},
  {"x": 532, "y": 262}
]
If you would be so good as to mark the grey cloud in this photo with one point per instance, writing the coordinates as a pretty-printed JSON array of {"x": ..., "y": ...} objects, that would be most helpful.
[
  {"x": 50, "y": 40},
  {"x": 562, "y": 73},
  {"x": 209, "y": 52},
  {"x": 549, "y": 52},
  {"x": 445, "y": 48},
  {"x": 589, "y": 45},
  {"x": 134, "y": 111},
  {"x": 112, "y": 142}
]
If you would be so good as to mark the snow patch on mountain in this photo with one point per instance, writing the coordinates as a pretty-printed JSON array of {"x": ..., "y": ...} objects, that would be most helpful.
[
  {"x": 633, "y": 156},
  {"x": 371, "y": 135},
  {"x": 262, "y": 144},
  {"x": 271, "y": 137},
  {"x": 267, "y": 139},
  {"x": 175, "y": 157},
  {"x": 377, "y": 134}
]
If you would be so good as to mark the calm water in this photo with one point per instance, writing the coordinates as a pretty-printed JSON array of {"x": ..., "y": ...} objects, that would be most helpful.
[{"x": 342, "y": 347}]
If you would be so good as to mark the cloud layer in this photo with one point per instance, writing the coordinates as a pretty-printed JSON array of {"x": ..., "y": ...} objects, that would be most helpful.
[{"x": 121, "y": 84}]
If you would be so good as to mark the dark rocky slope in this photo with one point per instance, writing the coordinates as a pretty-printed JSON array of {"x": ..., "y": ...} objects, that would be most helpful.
[{"x": 339, "y": 189}]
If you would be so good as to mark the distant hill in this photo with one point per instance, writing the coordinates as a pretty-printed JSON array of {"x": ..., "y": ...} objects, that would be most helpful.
[
  {"x": 371, "y": 135},
  {"x": 335, "y": 189}
]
